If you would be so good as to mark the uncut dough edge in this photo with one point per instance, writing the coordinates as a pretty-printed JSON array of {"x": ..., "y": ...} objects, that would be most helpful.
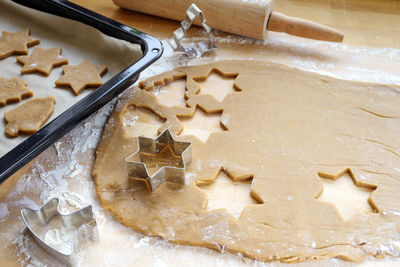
[{"x": 298, "y": 229}]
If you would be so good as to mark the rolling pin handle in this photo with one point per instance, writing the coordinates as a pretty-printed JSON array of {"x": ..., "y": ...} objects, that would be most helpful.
[{"x": 279, "y": 22}]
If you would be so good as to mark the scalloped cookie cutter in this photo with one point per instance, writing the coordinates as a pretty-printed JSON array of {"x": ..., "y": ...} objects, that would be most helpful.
[
  {"x": 172, "y": 170},
  {"x": 83, "y": 220},
  {"x": 194, "y": 49}
]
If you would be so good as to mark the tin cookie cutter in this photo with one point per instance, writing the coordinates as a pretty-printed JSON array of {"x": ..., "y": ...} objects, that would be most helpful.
[
  {"x": 195, "y": 49},
  {"x": 164, "y": 153},
  {"x": 83, "y": 220}
]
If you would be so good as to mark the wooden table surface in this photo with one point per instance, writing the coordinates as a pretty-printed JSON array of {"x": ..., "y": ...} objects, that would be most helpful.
[{"x": 363, "y": 22}]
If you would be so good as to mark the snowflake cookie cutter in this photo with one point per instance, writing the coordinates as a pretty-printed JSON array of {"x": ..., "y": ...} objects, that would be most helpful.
[
  {"x": 172, "y": 169},
  {"x": 82, "y": 220},
  {"x": 194, "y": 49}
]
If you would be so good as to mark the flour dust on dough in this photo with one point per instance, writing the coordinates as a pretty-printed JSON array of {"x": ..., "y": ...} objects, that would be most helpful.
[{"x": 286, "y": 128}]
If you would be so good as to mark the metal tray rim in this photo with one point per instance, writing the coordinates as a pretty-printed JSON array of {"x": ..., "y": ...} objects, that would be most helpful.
[{"x": 152, "y": 50}]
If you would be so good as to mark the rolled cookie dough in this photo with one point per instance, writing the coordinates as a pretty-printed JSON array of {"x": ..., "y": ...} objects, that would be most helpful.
[
  {"x": 13, "y": 90},
  {"x": 286, "y": 128},
  {"x": 42, "y": 60},
  {"x": 82, "y": 76},
  {"x": 28, "y": 117},
  {"x": 16, "y": 43}
]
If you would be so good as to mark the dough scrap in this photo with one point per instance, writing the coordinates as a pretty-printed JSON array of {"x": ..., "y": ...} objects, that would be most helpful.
[
  {"x": 286, "y": 128},
  {"x": 16, "y": 43},
  {"x": 13, "y": 90},
  {"x": 82, "y": 76},
  {"x": 29, "y": 117},
  {"x": 42, "y": 60}
]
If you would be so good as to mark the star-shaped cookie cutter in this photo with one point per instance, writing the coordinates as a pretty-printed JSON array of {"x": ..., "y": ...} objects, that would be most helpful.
[
  {"x": 83, "y": 220},
  {"x": 195, "y": 49},
  {"x": 172, "y": 171}
]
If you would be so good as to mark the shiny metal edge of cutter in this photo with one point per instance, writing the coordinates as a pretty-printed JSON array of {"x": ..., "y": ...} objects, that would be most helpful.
[
  {"x": 83, "y": 220},
  {"x": 138, "y": 170},
  {"x": 194, "y": 49}
]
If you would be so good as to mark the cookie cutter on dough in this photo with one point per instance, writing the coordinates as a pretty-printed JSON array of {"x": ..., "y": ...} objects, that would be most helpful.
[
  {"x": 83, "y": 220},
  {"x": 182, "y": 151},
  {"x": 194, "y": 49}
]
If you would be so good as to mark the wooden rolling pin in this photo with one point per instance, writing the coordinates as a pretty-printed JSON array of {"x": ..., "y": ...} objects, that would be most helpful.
[{"x": 249, "y": 18}]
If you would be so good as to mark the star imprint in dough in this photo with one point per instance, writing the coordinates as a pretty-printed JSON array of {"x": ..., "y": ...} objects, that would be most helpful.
[
  {"x": 202, "y": 125},
  {"x": 347, "y": 193},
  {"x": 42, "y": 60},
  {"x": 13, "y": 90},
  {"x": 227, "y": 193},
  {"x": 16, "y": 43},
  {"x": 171, "y": 94},
  {"x": 218, "y": 85},
  {"x": 82, "y": 76}
]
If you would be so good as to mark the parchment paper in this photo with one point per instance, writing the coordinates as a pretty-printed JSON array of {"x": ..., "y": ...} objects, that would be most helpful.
[{"x": 78, "y": 41}]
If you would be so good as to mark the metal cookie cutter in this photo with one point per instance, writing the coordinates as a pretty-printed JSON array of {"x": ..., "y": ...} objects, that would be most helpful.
[
  {"x": 83, "y": 220},
  {"x": 165, "y": 153},
  {"x": 196, "y": 49}
]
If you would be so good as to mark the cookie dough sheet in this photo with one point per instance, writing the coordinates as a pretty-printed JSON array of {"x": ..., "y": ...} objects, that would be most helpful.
[{"x": 78, "y": 41}]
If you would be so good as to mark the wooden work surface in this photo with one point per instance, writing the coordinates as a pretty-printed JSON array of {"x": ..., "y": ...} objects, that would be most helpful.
[{"x": 365, "y": 23}]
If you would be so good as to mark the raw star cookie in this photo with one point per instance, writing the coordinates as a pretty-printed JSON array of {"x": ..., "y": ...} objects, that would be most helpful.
[
  {"x": 16, "y": 43},
  {"x": 29, "y": 117},
  {"x": 42, "y": 60},
  {"x": 13, "y": 90},
  {"x": 82, "y": 76},
  {"x": 286, "y": 130}
]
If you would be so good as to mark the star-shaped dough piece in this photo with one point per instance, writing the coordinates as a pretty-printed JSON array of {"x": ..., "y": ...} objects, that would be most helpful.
[
  {"x": 42, "y": 60},
  {"x": 16, "y": 43},
  {"x": 13, "y": 90},
  {"x": 28, "y": 117},
  {"x": 82, "y": 76}
]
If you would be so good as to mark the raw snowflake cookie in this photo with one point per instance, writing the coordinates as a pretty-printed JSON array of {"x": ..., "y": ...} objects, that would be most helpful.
[
  {"x": 16, "y": 43},
  {"x": 13, "y": 90},
  {"x": 29, "y": 117},
  {"x": 42, "y": 60},
  {"x": 82, "y": 76}
]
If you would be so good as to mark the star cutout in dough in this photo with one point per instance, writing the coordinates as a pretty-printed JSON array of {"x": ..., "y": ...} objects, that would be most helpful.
[
  {"x": 82, "y": 76},
  {"x": 42, "y": 60},
  {"x": 16, "y": 43},
  {"x": 160, "y": 160},
  {"x": 217, "y": 84},
  {"x": 227, "y": 193},
  {"x": 347, "y": 193},
  {"x": 201, "y": 125},
  {"x": 13, "y": 89}
]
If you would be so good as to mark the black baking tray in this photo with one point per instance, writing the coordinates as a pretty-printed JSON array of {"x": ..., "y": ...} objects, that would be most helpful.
[{"x": 152, "y": 49}]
